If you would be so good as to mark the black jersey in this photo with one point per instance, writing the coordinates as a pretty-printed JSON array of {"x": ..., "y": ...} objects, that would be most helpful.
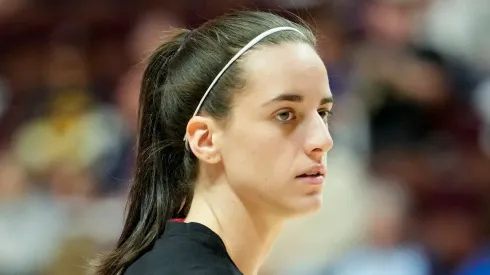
[{"x": 185, "y": 249}]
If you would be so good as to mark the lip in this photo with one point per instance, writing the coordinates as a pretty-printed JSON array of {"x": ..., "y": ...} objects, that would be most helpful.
[
  {"x": 313, "y": 180},
  {"x": 319, "y": 169},
  {"x": 315, "y": 169}
]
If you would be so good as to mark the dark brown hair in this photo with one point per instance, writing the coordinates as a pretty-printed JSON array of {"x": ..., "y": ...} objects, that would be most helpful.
[{"x": 177, "y": 75}]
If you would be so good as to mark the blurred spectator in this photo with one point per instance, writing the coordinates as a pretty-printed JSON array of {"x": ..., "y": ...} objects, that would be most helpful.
[
  {"x": 401, "y": 99},
  {"x": 451, "y": 227},
  {"x": 30, "y": 225},
  {"x": 75, "y": 128},
  {"x": 477, "y": 264},
  {"x": 73, "y": 131},
  {"x": 457, "y": 28},
  {"x": 393, "y": 23},
  {"x": 73, "y": 189}
]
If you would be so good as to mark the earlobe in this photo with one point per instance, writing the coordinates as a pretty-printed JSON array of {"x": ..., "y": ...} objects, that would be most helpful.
[{"x": 200, "y": 131}]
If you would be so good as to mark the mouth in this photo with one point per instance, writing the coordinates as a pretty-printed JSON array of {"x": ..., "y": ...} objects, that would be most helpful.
[
  {"x": 307, "y": 175},
  {"x": 316, "y": 175}
]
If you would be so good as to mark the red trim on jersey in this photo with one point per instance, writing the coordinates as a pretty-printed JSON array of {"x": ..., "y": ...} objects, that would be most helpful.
[{"x": 178, "y": 220}]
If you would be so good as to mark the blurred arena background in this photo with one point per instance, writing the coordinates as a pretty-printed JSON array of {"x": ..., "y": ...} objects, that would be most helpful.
[{"x": 409, "y": 178}]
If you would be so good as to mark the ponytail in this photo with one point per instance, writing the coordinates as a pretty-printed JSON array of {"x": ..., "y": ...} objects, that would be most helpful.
[{"x": 160, "y": 185}]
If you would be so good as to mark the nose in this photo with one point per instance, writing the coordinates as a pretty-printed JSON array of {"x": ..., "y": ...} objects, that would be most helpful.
[{"x": 318, "y": 139}]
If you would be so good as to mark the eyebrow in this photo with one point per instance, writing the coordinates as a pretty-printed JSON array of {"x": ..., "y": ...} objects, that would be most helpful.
[{"x": 296, "y": 98}]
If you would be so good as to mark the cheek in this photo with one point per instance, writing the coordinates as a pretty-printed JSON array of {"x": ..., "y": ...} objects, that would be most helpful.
[{"x": 262, "y": 155}]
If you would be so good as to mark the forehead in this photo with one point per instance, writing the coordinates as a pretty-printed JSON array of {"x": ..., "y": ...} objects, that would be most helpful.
[{"x": 285, "y": 68}]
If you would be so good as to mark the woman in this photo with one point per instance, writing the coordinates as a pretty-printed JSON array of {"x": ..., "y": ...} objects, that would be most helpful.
[{"x": 233, "y": 134}]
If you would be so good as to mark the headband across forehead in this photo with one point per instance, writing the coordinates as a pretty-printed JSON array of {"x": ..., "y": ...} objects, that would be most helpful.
[{"x": 250, "y": 44}]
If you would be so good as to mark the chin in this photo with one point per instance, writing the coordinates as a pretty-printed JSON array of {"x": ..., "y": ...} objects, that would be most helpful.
[{"x": 304, "y": 206}]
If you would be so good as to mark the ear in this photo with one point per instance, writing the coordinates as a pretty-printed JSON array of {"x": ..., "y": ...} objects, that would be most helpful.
[{"x": 201, "y": 136}]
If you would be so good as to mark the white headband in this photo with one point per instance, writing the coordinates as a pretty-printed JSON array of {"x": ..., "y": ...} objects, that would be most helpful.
[{"x": 234, "y": 58}]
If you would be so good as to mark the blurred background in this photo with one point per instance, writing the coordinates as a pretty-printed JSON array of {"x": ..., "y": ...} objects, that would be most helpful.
[{"x": 409, "y": 178}]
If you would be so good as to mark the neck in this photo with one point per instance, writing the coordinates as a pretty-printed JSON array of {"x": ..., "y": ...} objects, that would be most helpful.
[{"x": 247, "y": 233}]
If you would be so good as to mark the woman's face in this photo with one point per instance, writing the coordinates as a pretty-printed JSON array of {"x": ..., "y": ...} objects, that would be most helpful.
[{"x": 278, "y": 131}]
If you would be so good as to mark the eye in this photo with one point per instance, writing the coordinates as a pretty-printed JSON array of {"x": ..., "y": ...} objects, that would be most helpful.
[
  {"x": 325, "y": 114},
  {"x": 285, "y": 116}
]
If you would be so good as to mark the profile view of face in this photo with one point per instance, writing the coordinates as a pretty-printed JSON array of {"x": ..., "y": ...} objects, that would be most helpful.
[{"x": 278, "y": 130}]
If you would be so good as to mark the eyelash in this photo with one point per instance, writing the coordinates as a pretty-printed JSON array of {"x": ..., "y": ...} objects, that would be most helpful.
[{"x": 325, "y": 117}]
